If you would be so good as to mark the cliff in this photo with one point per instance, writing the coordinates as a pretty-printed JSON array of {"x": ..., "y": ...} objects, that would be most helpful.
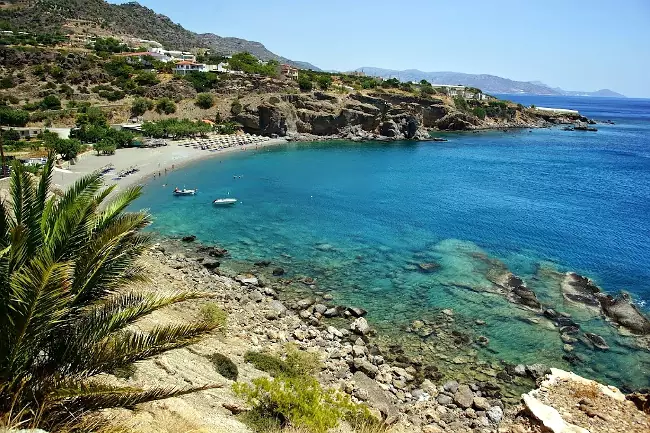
[{"x": 378, "y": 115}]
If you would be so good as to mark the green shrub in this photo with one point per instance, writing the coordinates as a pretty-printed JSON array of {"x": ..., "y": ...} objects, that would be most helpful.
[
  {"x": 479, "y": 112},
  {"x": 51, "y": 102},
  {"x": 461, "y": 103},
  {"x": 165, "y": 105},
  {"x": 11, "y": 117},
  {"x": 302, "y": 363},
  {"x": 211, "y": 313},
  {"x": 298, "y": 401},
  {"x": 224, "y": 366},
  {"x": 236, "y": 107},
  {"x": 204, "y": 100},
  {"x": 271, "y": 364},
  {"x": 141, "y": 106},
  {"x": 7, "y": 83},
  {"x": 298, "y": 363},
  {"x": 305, "y": 83}
]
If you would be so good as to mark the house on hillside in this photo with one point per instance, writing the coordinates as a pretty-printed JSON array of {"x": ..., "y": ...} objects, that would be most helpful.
[
  {"x": 289, "y": 72},
  {"x": 144, "y": 56},
  {"x": 176, "y": 55},
  {"x": 185, "y": 67},
  {"x": 462, "y": 91}
]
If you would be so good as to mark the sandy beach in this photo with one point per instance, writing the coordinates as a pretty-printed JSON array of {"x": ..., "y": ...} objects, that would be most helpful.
[{"x": 149, "y": 162}]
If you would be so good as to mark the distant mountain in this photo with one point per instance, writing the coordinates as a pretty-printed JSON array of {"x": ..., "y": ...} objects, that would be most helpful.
[
  {"x": 487, "y": 83},
  {"x": 130, "y": 19}
]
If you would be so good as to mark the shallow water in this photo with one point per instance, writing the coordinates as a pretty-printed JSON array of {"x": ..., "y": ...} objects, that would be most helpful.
[{"x": 359, "y": 217}]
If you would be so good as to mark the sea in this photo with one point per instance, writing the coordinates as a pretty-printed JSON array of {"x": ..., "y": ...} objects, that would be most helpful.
[{"x": 360, "y": 218}]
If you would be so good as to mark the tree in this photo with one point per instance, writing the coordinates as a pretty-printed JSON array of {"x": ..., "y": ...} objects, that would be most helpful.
[
  {"x": 324, "y": 81},
  {"x": 165, "y": 105},
  {"x": 204, "y": 100},
  {"x": 65, "y": 314},
  {"x": 479, "y": 112},
  {"x": 11, "y": 117},
  {"x": 51, "y": 102},
  {"x": 146, "y": 79},
  {"x": 68, "y": 149},
  {"x": 141, "y": 106},
  {"x": 305, "y": 83},
  {"x": 109, "y": 45}
]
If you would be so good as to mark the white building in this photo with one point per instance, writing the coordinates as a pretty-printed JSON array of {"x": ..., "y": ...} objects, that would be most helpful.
[{"x": 185, "y": 67}]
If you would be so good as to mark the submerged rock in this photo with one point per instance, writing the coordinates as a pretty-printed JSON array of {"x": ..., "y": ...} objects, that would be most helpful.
[
  {"x": 190, "y": 238},
  {"x": 428, "y": 267},
  {"x": 597, "y": 340},
  {"x": 581, "y": 290},
  {"x": 278, "y": 272}
]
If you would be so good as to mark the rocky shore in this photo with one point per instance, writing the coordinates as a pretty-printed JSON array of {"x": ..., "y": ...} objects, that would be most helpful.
[
  {"x": 407, "y": 394},
  {"x": 379, "y": 115}
]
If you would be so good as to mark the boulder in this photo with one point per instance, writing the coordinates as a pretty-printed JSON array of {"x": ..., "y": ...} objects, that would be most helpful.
[
  {"x": 278, "y": 272},
  {"x": 444, "y": 399},
  {"x": 365, "y": 366},
  {"x": 190, "y": 238},
  {"x": 263, "y": 263},
  {"x": 211, "y": 264},
  {"x": 481, "y": 403},
  {"x": 360, "y": 326},
  {"x": 451, "y": 386},
  {"x": 495, "y": 414},
  {"x": 377, "y": 397},
  {"x": 464, "y": 397},
  {"x": 357, "y": 312}
]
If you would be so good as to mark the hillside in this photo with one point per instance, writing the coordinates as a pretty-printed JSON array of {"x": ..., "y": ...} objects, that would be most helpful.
[
  {"x": 485, "y": 82},
  {"x": 127, "y": 19}
]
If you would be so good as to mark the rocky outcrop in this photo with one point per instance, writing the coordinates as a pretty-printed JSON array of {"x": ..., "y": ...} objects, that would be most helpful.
[
  {"x": 620, "y": 309},
  {"x": 356, "y": 117},
  {"x": 568, "y": 403}
]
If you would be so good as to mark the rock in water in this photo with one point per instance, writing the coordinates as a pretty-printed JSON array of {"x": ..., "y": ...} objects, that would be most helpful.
[
  {"x": 357, "y": 312},
  {"x": 428, "y": 267},
  {"x": 622, "y": 311},
  {"x": 597, "y": 340},
  {"x": 278, "y": 272},
  {"x": 190, "y": 238}
]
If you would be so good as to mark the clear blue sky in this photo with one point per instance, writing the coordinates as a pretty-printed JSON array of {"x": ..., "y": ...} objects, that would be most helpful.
[{"x": 573, "y": 44}]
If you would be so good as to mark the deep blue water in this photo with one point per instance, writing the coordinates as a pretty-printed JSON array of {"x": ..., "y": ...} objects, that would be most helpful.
[{"x": 357, "y": 217}]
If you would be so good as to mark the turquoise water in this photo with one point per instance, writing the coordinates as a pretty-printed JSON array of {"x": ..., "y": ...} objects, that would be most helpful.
[{"x": 359, "y": 217}]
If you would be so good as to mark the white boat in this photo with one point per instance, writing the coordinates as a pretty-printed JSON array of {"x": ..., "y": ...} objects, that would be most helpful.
[
  {"x": 184, "y": 191},
  {"x": 224, "y": 201}
]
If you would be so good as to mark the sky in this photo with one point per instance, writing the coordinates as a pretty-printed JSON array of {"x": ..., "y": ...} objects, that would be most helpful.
[{"x": 572, "y": 44}]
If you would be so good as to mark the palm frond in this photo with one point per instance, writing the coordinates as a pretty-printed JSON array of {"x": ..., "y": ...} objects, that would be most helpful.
[
  {"x": 130, "y": 346},
  {"x": 99, "y": 396},
  {"x": 118, "y": 205},
  {"x": 113, "y": 315},
  {"x": 110, "y": 257},
  {"x": 44, "y": 186},
  {"x": 38, "y": 302},
  {"x": 78, "y": 196}
]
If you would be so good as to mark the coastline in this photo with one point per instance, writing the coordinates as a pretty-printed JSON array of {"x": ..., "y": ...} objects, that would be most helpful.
[
  {"x": 149, "y": 161},
  {"x": 406, "y": 394}
]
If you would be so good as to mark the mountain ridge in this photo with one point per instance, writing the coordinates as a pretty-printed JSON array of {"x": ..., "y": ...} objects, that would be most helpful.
[
  {"x": 486, "y": 82},
  {"x": 130, "y": 19}
]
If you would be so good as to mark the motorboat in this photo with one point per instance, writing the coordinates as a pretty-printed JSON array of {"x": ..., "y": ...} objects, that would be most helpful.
[
  {"x": 180, "y": 192},
  {"x": 224, "y": 201}
]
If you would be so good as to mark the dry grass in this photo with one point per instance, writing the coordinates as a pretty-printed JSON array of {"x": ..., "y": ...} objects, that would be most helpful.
[{"x": 590, "y": 391}]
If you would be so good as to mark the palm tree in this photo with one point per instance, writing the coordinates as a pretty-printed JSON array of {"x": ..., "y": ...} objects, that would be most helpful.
[{"x": 64, "y": 311}]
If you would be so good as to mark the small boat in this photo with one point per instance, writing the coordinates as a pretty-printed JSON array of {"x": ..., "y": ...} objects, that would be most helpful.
[
  {"x": 184, "y": 191},
  {"x": 224, "y": 201}
]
